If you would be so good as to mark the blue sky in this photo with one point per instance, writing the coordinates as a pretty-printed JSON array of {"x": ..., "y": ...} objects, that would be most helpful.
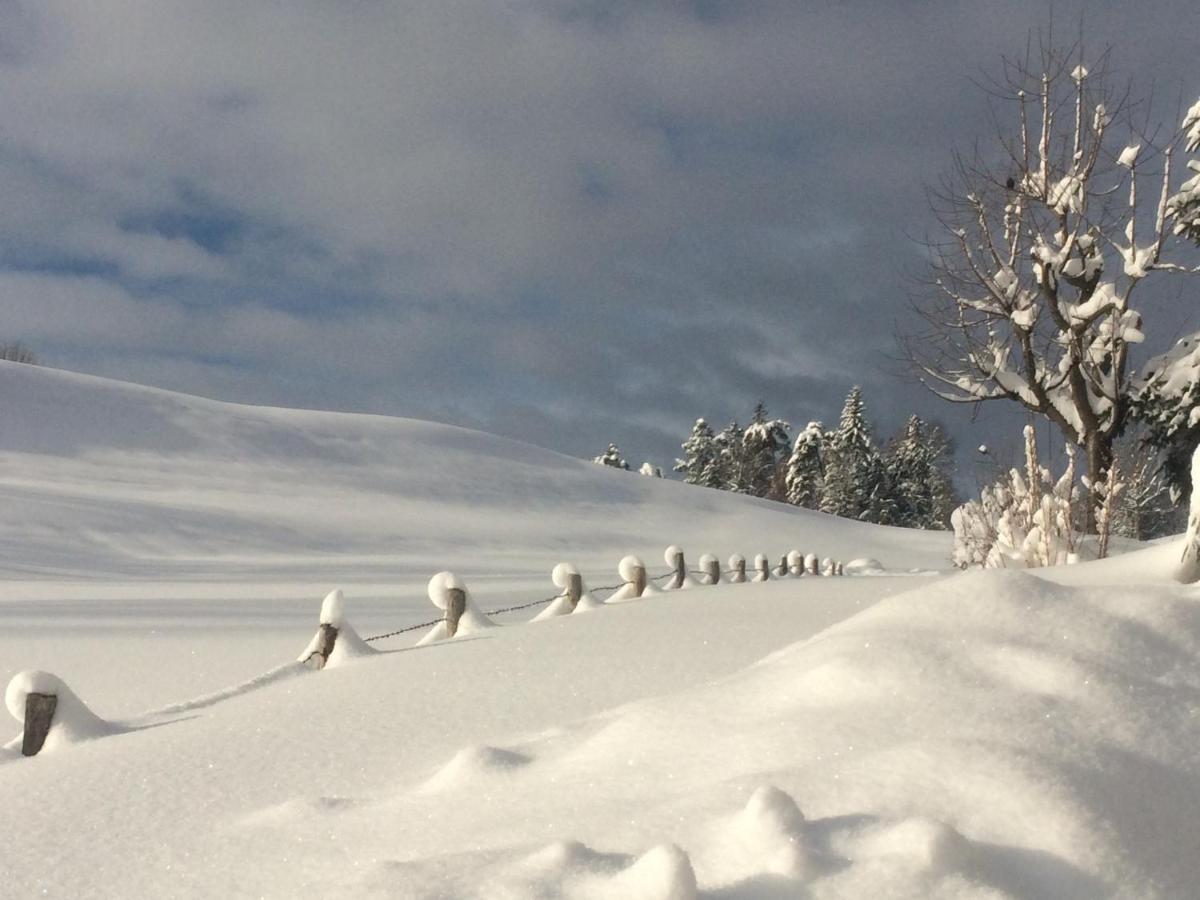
[{"x": 566, "y": 222}]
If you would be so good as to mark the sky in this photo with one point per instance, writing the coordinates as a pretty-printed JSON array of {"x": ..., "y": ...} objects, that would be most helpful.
[{"x": 566, "y": 222}]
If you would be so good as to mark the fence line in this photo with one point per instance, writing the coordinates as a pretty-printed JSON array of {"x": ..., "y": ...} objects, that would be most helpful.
[{"x": 40, "y": 691}]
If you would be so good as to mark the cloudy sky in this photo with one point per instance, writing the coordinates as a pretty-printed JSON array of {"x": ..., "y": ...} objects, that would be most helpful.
[{"x": 568, "y": 222}]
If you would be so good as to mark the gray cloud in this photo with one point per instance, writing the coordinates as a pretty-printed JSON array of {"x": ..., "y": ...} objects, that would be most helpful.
[{"x": 564, "y": 221}]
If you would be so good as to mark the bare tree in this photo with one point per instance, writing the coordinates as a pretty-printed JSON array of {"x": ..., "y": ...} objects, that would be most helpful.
[
  {"x": 1044, "y": 238},
  {"x": 15, "y": 351}
]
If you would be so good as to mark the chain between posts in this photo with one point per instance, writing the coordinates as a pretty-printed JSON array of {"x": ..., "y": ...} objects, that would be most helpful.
[{"x": 508, "y": 609}]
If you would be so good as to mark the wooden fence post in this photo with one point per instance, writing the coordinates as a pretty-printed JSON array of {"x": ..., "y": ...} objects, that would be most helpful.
[
  {"x": 331, "y": 618},
  {"x": 674, "y": 558},
  {"x": 762, "y": 567},
  {"x": 456, "y": 606},
  {"x": 783, "y": 566},
  {"x": 574, "y": 588},
  {"x": 326, "y": 638},
  {"x": 714, "y": 570},
  {"x": 39, "y": 716},
  {"x": 737, "y": 565},
  {"x": 813, "y": 566}
]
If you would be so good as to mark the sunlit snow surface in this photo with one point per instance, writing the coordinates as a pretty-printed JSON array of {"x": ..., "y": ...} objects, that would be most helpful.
[{"x": 981, "y": 735}]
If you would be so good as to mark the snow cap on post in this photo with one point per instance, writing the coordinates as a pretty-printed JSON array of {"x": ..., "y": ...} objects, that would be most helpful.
[
  {"x": 796, "y": 562},
  {"x": 763, "y": 568},
  {"x": 449, "y": 593},
  {"x": 333, "y": 609},
  {"x": 574, "y": 597},
  {"x": 50, "y": 712},
  {"x": 633, "y": 572},
  {"x": 737, "y": 568},
  {"x": 336, "y": 638}
]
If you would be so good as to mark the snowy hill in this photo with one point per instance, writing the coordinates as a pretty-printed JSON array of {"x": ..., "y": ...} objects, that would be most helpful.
[
  {"x": 985, "y": 735},
  {"x": 108, "y": 481}
]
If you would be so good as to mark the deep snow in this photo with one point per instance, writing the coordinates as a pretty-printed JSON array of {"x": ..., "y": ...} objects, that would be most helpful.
[{"x": 990, "y": 735}]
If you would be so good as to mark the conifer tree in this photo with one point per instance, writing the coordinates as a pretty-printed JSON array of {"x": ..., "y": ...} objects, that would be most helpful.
[
  {"x": 700, "y": 452},
  {"x": 853, "y": 473},
  {"x": 764, "y": 444},
  {"x": 921, "y": 485},
  {"x": 612, "y": 458},
  {"x": 806, "y": 468},
  {"x": 728, "y": 470}
]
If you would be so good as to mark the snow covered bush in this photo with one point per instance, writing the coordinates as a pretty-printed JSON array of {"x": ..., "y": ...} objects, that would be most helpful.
[
  {"x": 1025, "y": 520},
  {"x": 1188, "y": 570},
  {"x": 1167, "y": 403},
  {"x": 612, "y": 458}
]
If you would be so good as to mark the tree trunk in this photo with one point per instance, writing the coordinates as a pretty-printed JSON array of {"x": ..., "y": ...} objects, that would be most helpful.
[{"x": 1099, "y": 459}]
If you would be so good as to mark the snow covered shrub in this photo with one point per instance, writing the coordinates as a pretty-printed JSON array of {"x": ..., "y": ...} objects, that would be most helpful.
[
  {"x": 1188, "y": 570},
  {"x": 612, "y": 458},
  {"x": 1025, "y": 520}
]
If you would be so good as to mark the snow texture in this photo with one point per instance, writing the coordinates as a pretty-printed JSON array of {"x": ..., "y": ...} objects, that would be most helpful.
[{"x": 979, "y": 735}]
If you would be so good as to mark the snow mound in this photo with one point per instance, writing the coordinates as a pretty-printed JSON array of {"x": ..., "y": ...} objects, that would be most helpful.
[
  {"x": 766, "y": 838},
  {"x": 864, "y": 566},
  {"x": 72, "y": 723},
  {"x": 473, "y": 765},
  {"x": 663, "y": 873},
  {"x": 570, "y": 870},
  {"x": 920, "y": 841},
  {"x": 348, "y": 645}
]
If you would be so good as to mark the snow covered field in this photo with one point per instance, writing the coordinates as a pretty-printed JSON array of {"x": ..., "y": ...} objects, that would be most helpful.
[{"x": 980, "y": 735}]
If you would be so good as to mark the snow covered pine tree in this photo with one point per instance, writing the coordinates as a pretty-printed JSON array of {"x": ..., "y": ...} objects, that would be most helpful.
[
  {"x": 1168, "y": 395},
  {"x": 612, "y": 458},
  {"x": 855, "y": 483},
  {"x": 805, "y": 476}
]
